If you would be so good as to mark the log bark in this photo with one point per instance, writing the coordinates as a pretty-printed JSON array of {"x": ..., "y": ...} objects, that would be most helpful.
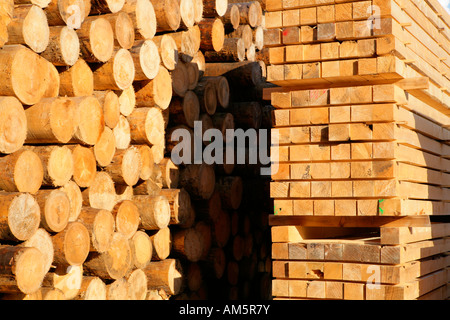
[
  {"x": 141, "y": 249},
  {"x": 63, "y": 48},
  {"x": 232, "y": 16},
  {"x": 101, "y": 193},
  {"x": 185, "y": 110},
  {"x": 239, "y": 74},
  {"x": 77, "y": 81},
  {"x": 212, "y": 33},
  {"x": 126, "y": 215},
  {"x": 168, "y": 15},
  {"x": 187, "y": 42},
  {"x": 110, "y": 106},
  {"x": 198, "y": 180},
  {"x": 13, "y": 125},
  {"x": 143, "y": 15},
  {"x": 166, "y": 275},
  {"x": 193, "y": 75},
  {"x": 54, "y": 205},
  {"x": 123, "y": 27},
  {"x": 125, "y": 166},
  {"x": 24, "y": 265},
  {"x": 147, "y": 126},
  {"x": 117, "y": 73},
  {"x": 112, "y": 264},
  {"x": 96, "y": 39},
  {"x": 100, "y": 224},
  {"x": 251, "y": 13},
  {"x": 156, "y": 92},
  {"x": 71, "y": 245},
  {"x": 29, "y": 27},
  {"x": 57, "y": 163},
  {"x": 161, "y": 243},
  {"x": 154, "y": 211},
  {"x": 21, "y": 171},
  {"x": 146, "y": 59},
  {"x": 85, "y": 166},
  {"x": 23, "y": 74}
]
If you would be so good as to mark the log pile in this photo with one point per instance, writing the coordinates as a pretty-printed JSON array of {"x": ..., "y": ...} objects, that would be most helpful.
[
  {"x": 361, "y": 196},
  {"x": 91, "y": 204}
]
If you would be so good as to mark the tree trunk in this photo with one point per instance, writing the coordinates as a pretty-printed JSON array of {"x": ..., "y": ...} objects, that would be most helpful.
[
  {"x": 166, "y": 174},
  {"x": 187, "y": 244},
  {"x": 232, "y": 16},
  {"x": 106, "y": 6},
  {"x": 147, "y": 162},
  {"x": 63, "y": 48},
  {"x": 137, "y": 285},
  {"x": 223, "y": 122},
  {"x": 180, "y": 205},
  {"x": 207, "y": 96},
  {"x": 214, "y": 8},
  {"x": 185, "y": 110},
  {"x": 73, "y": 191},
  {"x": 90, "y": 119},
  {"x": 67, "y": 12},
  {"x": 156, "y": 92},
  {"x": 92, "y": 288},
  {"x": 233, "y": 50},
  {"x": 122, "y": 133},
  {"x": 247, "y": 114},
  {"x": 42, "y": 240},
  {"x": 110, "y": 105},
  {"x": 187, "y": 12}
]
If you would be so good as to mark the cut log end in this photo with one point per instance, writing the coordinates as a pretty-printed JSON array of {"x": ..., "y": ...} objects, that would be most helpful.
[
  {"x": 127, "y": 218},
  {"x": 28, "y": 172},
  {"x": 101, "y": 38},
  {"x": 123, "y": 69},
  {"x": 29, "y": 270},
  {"x": 55, "y": 209},
  {"x": 23, "y": 208},
  {"x": 13, "y": 125},
  {"x": 76, "y": 243}
]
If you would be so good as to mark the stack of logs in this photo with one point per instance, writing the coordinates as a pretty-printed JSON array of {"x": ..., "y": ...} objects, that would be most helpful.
[{"x": 91, "y": 204}]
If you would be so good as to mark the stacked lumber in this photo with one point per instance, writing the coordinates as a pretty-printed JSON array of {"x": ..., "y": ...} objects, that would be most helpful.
[
  {"x": 362, "y": 118},
  {"x": 92, "y": 205}
]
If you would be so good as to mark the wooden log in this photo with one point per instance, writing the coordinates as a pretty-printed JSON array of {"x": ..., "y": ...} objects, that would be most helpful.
[
  {"x": 77, "y": 81},
  {"x": 57, "y": 163},
  {"x": 156, "y": 92},
  {"x": 85, "y": 166},
  {"x": 106, "y": 6},
  {"x": 96, "y": 39},
  {"x": 222, "y": 90},
  {"x": 194, "y": 276},
  {"x": 125, "y": 166},
  {"x": 187, "y": 13},
  {"x": 52, "y": 120},
  {"x": 147, "y": 162},
  {"x": 215, "y": 262},
  {"x": 100, "y": 224},
  {"x": 247, "y": 114},
  {"x": 71, "y": 245},
  {"x": 187, "y": 42},
  {"x": 123, "y": 27},
  {"x": 15, "y": 210},
  {"x": 214, "y": 8},
  {"x": 143, "y": 15},
  {"x": 101, "y": 193},
  {"x": 172, "y": 143},
  {"x": 258, "y": 37},
  {"x": 117, "y": 290},
  {"x": 198, "y": 180},
  {"x": 67, "y": 12},
  {"x": 180, "y": 79},
  {"x": 243, "y": 32},
  {"x": 154, "y": 211},
  {"x": 7, "y": 10},
  {"x": 212, "y": 33},
  {"x": 92, "y": 288},
  {"x": 180, "y": 205},
  {"x": 193, "y": 75},
  {"x": 24, "y": 74},
  {"x": 3, "y": 32},
  {"x": 117, "y": 73},
  {"x": 73, "y": 191},
  {"x": 168, "y": 50},
  {"x": 21, "y": 171},
  {"x": 199, "y": 60},
  {"x": 63, "y": 48},
  {"x": 126, "y": 215},
  {"x": 187, "y": 244},
  {"x": 90, "y": 120},
  {"x": 166, "y": 174},
  {"x": 168, "y": 15},
  {"x": 25, "y": 266},
  {"x": 166, "y": 274},
  {"x": 251, "y": 53},
  {"x": 207, "y": 96},
  {"x": 112, "y": 264},
  {"x": 42, "y": 241},
  {"x": 146, "y": 59},
  {"x": 239, "y": 74},
  {"x": 137, "y": 285},
  {"x": 233, "y": 49},
  {"x": 161, "y": 243},
  {"x": 110, "y": 106},
  {"x": 141, "y": 249},
  {"x": 147, "y": 187},
  {"x": 232, "y": 16},
  {"x": 198, "y": 11},
  {"x": 29, "y": 27},
  {"x": 203, "y": 229},
  {"x": 231, "y": 190},
  {"x": 13, "y": 125},
  {"x": 122, "y": 133},
  {"x": 54, "y": 205},
  {"x": 251, "y": 13},
  {"x": 185, "y": 110},
  {"x": 147, "y": 126},
  {"x": 68, "y": 281}
]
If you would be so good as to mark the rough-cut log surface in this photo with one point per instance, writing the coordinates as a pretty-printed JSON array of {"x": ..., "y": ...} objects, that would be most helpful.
[
  {"x": 154, "y": 211},
  {"x": 146, "y": 59},
  {"x": 71, "y": 245},
  {"x": 166, "y": 275},
  {"x": 96, "y": 39},
  {"x": 77, "y": 81},
  {"x": 13, "y": 125},
  {"x": 143, "y": 15},
  {"x": 63, "y": 48},
  {"x": 101, "y": 225},
  {"x": 55, "y": 209},
  {"x": 156, "y": 92}
]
